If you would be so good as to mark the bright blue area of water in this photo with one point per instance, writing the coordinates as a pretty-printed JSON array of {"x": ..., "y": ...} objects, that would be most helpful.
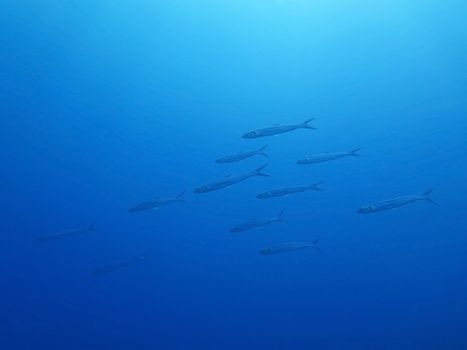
[{"x": 106, "y": 104}]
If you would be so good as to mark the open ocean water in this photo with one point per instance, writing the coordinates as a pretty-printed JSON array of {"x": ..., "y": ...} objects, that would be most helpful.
[{"x": 112, "y": 108}]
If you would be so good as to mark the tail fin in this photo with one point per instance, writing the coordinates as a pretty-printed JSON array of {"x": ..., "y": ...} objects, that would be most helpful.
[
  {"x": 354, "y": 152},
  {"x": 428, "y": 193},
  {"x": 305, "y": 124},
  {"x": 315, "y": 245},
  {"x": 146, "y": 254},
  {"x": 258, "y": 171},
  {"x": 279, "y": 217},
  {"x": 92, "y": 227},
  {"x": 316, "y": 186},
  {"x": 179, "y": 197},
  {"x": 427, "y": 196},
  {"x": 261, "y": 151}
]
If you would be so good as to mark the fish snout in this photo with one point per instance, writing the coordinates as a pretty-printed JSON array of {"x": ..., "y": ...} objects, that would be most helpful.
[
  {"x": 250, "y": 135},
  {"x": 265, "y": 251},
  {"x": 263, "y": 195},
  {"x": 365, "y": 210},
  {"x": 201, "y": 189}
]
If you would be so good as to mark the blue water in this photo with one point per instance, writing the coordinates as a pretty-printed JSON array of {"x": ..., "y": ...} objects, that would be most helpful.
[{"x": 106, "y": 104}]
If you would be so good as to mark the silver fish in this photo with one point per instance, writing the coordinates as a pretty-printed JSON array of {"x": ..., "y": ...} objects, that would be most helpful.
[
  {"x": 290, "y": 247},
  {"x": 229, "y": 181},
  {"x": 277, "y": 129},
  {"x": 325, "y": 157},
  {"x": 67, "y": 233},
  {"x": 250, "y": 225},
  {"x": 288, "y": 190},
  {"x": 242, "y": 155},
  {"x": 157, "y": 203},
  {"x": 121, "y": 265},
  {"x": 396, "y": 203}
]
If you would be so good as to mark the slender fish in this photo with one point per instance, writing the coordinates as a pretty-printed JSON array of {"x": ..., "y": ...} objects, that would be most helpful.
[
  {"x": 325, "y": 157},
  {"x": 396, "y": 203},
  {"x": 123, "y": 264},
  {"x": 67, "y": 233},
  {"x": 157, "y": 203},
  {"x": 242, "y": 155},
  {"x": 290, "y": 247},
  {"x": 277, "y": 129},
  {"x": 230, "y": 180},
  {"x": 288, "y": 190},
  {"x": 250, "y": 225}
]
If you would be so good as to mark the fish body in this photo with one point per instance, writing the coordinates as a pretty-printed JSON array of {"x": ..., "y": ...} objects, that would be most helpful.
[
  {"x": 229, "y": 181},
  {"x": 396, "y": 203},
  {"x": 241, "y": 156},
  {"x": 277, "y": 129},
  {"x": 156, "y": 203},
  {"x": 290, "y": 247},
  {"x": 250, "y": 225},
  {"x": 325, "y": 157},
  {"x": 288, "y": 190},
  {"x": 67, "y": 233},
  {"x": 123, "y": 264}
]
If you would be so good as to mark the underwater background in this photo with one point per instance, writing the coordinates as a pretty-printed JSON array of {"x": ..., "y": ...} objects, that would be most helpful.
[{"x": 107, "y": 104}]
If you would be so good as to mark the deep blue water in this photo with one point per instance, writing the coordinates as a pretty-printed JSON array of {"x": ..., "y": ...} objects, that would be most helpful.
[{"x": 106, "y": 104}]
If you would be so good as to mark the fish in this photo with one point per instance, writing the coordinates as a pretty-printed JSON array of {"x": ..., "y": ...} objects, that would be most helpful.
[
  {"x": 230, "y": 180},
  {"x": 242, "y": 155},
  {"x": 396, "y": 203},
  {"x": 67, "y": 233},
  {"x": 277, "y": 129},
  {"x": 288, "y": 190},
  {"x": 157, "y": 202},
  {"x": 325, "y": 157},
  {"x": 123, "y": 264},
  {"x": 290, "y": 247},
  {"x": 250, "y": 225}
]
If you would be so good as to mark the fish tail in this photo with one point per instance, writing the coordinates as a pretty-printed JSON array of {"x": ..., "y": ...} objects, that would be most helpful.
[
  {"x": 427, "y": 196},
  {"x": 261, "y": 151},
  {"x": 279, "y": 217},
  {"x": 316, "y": 186},
  {"x": 258, "y": 171},
  {"x": 315, "y": 245},
  {"x": 179, "y": 197},
  {"x": 354, "y": 152},
  {"x": 92, "y": 226},
  {"x": 146, "y": 254},
  {"x": 305, "y": 124}
]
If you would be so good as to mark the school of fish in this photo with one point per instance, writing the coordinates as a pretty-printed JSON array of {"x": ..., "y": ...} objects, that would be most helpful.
[{"x": 231, "y": 180}]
